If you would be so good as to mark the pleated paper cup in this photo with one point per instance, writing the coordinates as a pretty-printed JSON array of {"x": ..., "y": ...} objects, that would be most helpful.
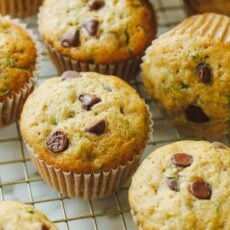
[
  {"x": 19, "y": 8},
  {"x": 11, "y": 106},
  {"x": 212, "y": 25},
  {"x": 126, "y": 70},
  {"x": 88, "y": 185}
]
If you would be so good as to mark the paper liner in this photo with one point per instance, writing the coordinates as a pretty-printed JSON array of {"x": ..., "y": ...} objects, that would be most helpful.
[
  {"x": 11, "y": 106},
  {"x": 19, "y": 8},
  {"x": 126, "y": 70},
  {"x": 88, "y": 185},
  {"x": 209, "y": 24}
]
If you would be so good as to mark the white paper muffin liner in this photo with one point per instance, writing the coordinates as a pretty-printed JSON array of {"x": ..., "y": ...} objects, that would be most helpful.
[
  {"x": 19, "y": 8},
  {"x": 208, "y": 24},
  {"x": 88, "y": 185},
  {"x": 127, "y": 70},
  {"x": 11, "y": 106}
]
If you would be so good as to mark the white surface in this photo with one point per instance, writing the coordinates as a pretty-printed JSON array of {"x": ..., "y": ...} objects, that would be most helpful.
[{"x": 20, "y": 181}]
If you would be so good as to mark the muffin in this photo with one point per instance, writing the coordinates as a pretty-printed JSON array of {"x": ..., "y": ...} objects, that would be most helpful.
[
  {"x": 18, "y": 62},
  {"x": 187, "y": 72},
  {"x": 84, "y": 135},
  {"x": 19, "y": 8},
  {"x": 100, "y": 36},
  {"x": 201, "y": 6},
  {"x": 15, "y": 215},
  {"x": 183, "y": 185}
]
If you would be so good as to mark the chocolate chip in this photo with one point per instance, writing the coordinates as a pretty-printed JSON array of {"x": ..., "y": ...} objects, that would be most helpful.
[
  {"x": 57, "y": 142},
  {"x": 195, "y": 114},
  {"x": 71, "y": 39},
  {"x": 173, "y": 184},
  {"x": 182, "y": 159},
  {"x": 69, "y": 75},
  {"x": 43, "y": 227},
  {"x": 219, "y": 145},
  {"x": 91, "y": 27},
  {"x": 96, "y": 4},
  {"x": 88, "y": 100},
  {"x": 97, "y": 128},
  {"x": 204, "y": 73},
  {"x": 200, "y": 189}
]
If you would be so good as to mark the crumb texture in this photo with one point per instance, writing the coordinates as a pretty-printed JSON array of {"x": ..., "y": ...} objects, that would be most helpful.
[
  {"x": 15, "y": 215},
  {"x": 85, "y": 124},
  {"x": 194, "y": 195}
]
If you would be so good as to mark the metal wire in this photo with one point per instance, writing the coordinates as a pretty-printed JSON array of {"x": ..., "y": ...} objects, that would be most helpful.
[{"x": 88, "y": 215}]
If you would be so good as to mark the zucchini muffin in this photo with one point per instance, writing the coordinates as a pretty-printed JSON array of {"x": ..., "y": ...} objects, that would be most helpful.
[
  {"x": 19, "y": 8},
  {"x": 187, "y": 72},
  {"x": 15, "y": 215},
  {"x": 97, "y": 35},
  {"x": 18, "y": 59},
  {"x": 85, "y": 132},
  {"x": 184, "y": 185},
  {"x": 204, "y": 6}
]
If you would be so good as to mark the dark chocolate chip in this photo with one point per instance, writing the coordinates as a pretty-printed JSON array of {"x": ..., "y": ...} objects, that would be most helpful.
[
  {"x": 97, "y": 128},
  {"x": 96, "y": 4},
  {"x": 182, "y": 159},
  {"x": 204, "y": 73},
  {"x": 91, "y": 27},
  {"x": 71, "y": 39},
  {"x": 88, "y": 100},
  {"x": 195, "y": 114},
  {"x": 200, "y": 189},
  {"x": 43, "y": 227},
  {"x": 57, "y": 142},
  {"x": 69, "y": 75},
  {"x": 173, "y": 184},
  {"x": 219, "y": 145}
]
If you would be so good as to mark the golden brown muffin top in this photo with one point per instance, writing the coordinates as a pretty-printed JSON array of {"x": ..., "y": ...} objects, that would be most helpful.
[
  {"x": 86, "y": 123},
  {"x": 17, "y": 57},
  {"x": 183, "y": 185},
  {"x": 98, "y": 31},
  {"x": 187, "y": 72},
  {"x": 15, "y": 215}
]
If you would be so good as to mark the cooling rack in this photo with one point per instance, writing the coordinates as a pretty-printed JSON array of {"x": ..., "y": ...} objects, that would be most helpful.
[{"x": 20, "y": 181}]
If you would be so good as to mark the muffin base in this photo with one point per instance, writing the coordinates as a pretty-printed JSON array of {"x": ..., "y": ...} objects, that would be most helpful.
[
  {"x": 11, "y": 107},
  {"x": 85, "y": 186},
  {"x": 19, "y": 8},
  {"x": 126, "y": 70}
]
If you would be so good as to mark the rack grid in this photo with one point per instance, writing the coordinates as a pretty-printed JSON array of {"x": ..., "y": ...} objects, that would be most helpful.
[{"x": 20, "y": 181}]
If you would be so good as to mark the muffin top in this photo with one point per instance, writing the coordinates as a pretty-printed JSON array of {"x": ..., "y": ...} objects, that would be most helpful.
[
  {"x": 98, "y": 31},
  {"x": 85, "y": 122},
  {"x": 15, "y": 215},
  {"x": 187, "y": 71},
  {"x": 184, "y": 185},
  {"x": 17, "y": 57}
]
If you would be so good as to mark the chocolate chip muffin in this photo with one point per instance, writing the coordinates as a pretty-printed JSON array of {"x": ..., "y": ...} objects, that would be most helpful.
[
  {"x": 183, "y": 185},
  {"x": 201, "y": 6},
  {"x": 18, "y": 59},
  {"x": 15, "y": 215},
  {"x": 97, "y": 35},
  {"x": 84, "y": 124},
  {"x": 19, "y": 8},
  {"x": 187, "y": 72}
]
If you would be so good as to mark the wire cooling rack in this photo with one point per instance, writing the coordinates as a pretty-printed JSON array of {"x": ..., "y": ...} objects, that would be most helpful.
[{"x": 20, "y": 181}]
